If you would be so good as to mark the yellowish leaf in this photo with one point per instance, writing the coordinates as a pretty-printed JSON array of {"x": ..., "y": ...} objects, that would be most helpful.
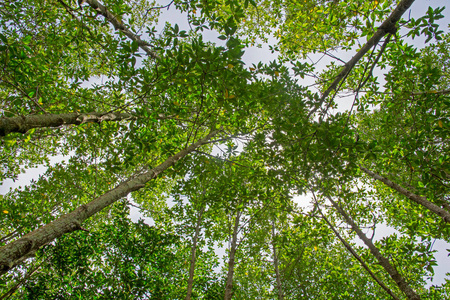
[
  {"x": 315, "y": 248},
  {"x": 5, "y": 211},
  {"x": 277, "y": 73},
  {"x": 11, "y": 142},
  {"x": 252, "y": 69},
  {"x": 230, "y": 66},
  {"x": 440, "y": 123}
]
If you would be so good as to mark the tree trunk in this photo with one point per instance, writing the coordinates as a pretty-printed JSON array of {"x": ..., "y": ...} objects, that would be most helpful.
[
  {"x": 25, "y": 123},
  {"x": 32, "y": 241},
  {"x": 118, "y": 25},
  {"x": 229, "y": 285},
  {"x": 388, "y": 26},
  {"x": 358, "y": 258},
  {"x": 418, "y": 199},
  {"x": 275, "y": 264},
  {"x": 193, "y": 256},
  {"x": 384, "y": 262}
]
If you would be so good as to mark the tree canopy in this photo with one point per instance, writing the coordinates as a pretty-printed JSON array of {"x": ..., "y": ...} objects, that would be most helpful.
[{"x": 252, "y": 179}]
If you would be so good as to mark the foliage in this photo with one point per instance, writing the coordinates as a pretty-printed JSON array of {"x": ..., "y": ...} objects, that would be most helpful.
[{"x": 276, "y": 138}]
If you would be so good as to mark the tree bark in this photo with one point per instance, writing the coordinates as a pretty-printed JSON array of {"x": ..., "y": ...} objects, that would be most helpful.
[
  {"x": 388, "y": 26},
  {"x": 384, "y": 262},
  {"x": 357, "y": 257},
  {"x": 17, "y": 250},
  {"x": 275, "y": 264},
  {"x": 231, "y": 262},
  {"x": 25, "y": 123},
  {"x": 193, "y": 254},
  {"x": 118, "y": 25},
  {"x": 416, "y": 198}
]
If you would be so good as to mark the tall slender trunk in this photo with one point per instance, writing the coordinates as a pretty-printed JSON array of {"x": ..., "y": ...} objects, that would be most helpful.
[
  {"x": 25, "y": 123},
  {"x": 229, "y": 285},
  {"x": 17, "y": 250},
  {"x": 387, "y": 27},
  {"x": 416, "y": 198},
  {"x": 384, "y": 262},
  {"x": 357, "y": 257},
  {"x": 193, "y": 254},
  {"x": 275, "y": 264}
]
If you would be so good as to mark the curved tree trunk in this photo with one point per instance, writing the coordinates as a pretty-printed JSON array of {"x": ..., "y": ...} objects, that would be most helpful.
[{"x": 29, "y": 243}]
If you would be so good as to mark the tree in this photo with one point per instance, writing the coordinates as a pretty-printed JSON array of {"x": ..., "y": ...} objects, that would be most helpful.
[
  {"x": 213, "y": 150},
  {"x": 139, "y": 257}
]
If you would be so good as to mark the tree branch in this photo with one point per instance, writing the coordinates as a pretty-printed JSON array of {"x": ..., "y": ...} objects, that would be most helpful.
[
  {"x": 416, "y": 198},
  {"x": 388, "y": 26},
  {"x": 355, "y": 255},
  {"x": 118, "y": 25}
]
